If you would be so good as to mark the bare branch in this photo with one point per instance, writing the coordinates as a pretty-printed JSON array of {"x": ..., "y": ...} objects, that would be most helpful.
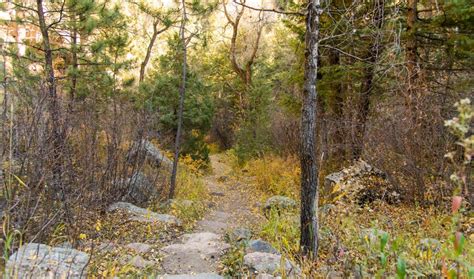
[{"x": 269, "y": 10}]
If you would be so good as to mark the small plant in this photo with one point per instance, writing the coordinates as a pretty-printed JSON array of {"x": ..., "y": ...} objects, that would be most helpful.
[
  {"x": 401, "y": 268},
  {"x": 282, "y": 231},
  {"x": 461, "y": 128}
]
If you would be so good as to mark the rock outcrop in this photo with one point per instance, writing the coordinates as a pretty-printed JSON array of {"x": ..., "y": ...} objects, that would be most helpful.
[
  {"x": 138, "y": 188},
  {"x": 36, "y": 260},
  {"x": 262, "y": 246},
  {"x": 267, "y": 263},
  {"x": 361, "y": 183},
  {"x": 143, "y": 215},
  {"x": 150, "y": 152},
  {"x": 279, "y": 203}
]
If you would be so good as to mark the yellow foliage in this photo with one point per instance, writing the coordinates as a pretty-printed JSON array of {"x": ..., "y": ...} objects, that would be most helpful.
[
  {"x": 275, "y": 175},
  {"x": 98, "y": 225}
]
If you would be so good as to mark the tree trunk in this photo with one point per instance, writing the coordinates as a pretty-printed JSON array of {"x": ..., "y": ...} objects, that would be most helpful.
[
  {"x": 337, "y": 153},
  {"x": 411, "y": 54},
  {"x": 75, "y": 65},
  {"x": 182, "y": 93},
  {"x": 309, "y": 166},
  {"x": 149, "y": 49},
  {"x": 57, "y": 138},
  {"x": 367, "y": 83}
]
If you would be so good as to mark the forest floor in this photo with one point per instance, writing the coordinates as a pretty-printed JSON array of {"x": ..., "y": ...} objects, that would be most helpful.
[
  {"x": 168, "y": 250},
  {"x": 214, "y": 207}
]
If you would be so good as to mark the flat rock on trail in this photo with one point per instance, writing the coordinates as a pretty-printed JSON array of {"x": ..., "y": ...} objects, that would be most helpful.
[{"x": 196, "y": 255}]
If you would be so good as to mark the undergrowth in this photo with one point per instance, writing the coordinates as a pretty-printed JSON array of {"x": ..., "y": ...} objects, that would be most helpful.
[{"x": 351, "y": 235}]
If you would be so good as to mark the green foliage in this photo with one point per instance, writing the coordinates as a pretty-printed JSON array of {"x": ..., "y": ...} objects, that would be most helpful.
[
  {"x": 401, "y": 268},
  {"x": 162, "y": 95},
  {"x": 233, "y": 261},
  {"x": 282, "y": 231}
]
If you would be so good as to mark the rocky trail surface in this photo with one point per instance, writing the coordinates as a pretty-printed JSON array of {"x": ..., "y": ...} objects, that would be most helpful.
[{"x": 197, "y": 254}]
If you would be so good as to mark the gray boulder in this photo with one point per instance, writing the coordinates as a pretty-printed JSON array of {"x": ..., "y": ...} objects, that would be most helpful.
[
  {"x": 35, "y": 260},
  {"x": 240, "y": 234},
  {"x": 280, "y": 203},
  {"x": 267, "y": 263},
  {"x": 361, "y": 183},
  {"x": 151, "y": 153},
  {"x": 65, "y": 244},
  {"x": 359, "y": 168},
  {"x": 138, "y": 188},
  {"x": 262, "y": 246},
  {"x": 143, "y": 215}
]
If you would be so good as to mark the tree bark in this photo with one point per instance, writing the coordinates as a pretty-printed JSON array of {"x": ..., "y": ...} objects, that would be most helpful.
[
  {"x": 182, "y": 93},
  {"x": 411, "y": 54},
  {"x": 149, "y": 49},
  {"x": 367, "y": 84},
  {"x": 337, "y": 104},
  {"x": 308, "y": 160},
  {"x": 57, "y": 137},
  {"x": 75, "y": 65}
]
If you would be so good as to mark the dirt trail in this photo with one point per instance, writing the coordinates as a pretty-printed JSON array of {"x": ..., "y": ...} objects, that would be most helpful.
[{"x": 197, "y": 255}]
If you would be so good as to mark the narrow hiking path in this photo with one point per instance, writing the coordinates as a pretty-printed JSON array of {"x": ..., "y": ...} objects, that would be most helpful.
[
  {"x": 133, "y": 242},
  {"x": 234, "y": 206}
]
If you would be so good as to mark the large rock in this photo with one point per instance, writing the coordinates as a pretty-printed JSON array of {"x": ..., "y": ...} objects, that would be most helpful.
[
  {"x": 197, "y": 253},
  {"x": 240, "y": 234},
  {"x": 361, "y": 183},
  {"x": 267, "y": 263},
  {"x": 137, "y": 188},
  {"x": 35, "y": 260},
  {"x": 150, "y": 152},
  {"x": 262, "y": 246},
  {"x": 280, "y": 203},
  {"x": 143, "y": 215}
]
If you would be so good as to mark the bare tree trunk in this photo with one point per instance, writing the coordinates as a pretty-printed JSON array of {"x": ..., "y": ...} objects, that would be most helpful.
[
  {"x": 182, "y": 93},
  {"x": 149, "y": 49},
  {"x": 57, "y": 137},
  {"x": 244, "y": 71},
  {"x": 309, "y": 164}
]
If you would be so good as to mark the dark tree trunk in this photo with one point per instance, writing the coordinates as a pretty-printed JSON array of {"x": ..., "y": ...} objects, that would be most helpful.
[
  {"x": 411, "y": 54},
  {"x": 367, "y": 84},
  {"x": 337, "y": 105},
  {"x": 57, "y": 137},
  {"x": 182, "y": 93},
  {"x": 309, "y": 166},
  {"x": 75, "y": 65}
]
